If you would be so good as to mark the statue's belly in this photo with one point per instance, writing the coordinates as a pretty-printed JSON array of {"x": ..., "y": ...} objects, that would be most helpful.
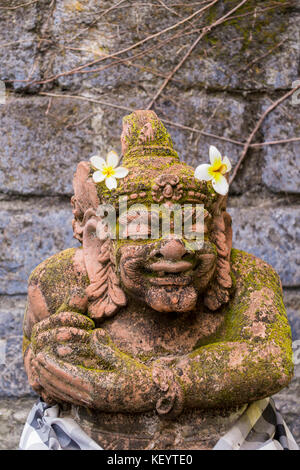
[
  {"x": 152, "y": 334},
  {"x": 193, "y": 430}
]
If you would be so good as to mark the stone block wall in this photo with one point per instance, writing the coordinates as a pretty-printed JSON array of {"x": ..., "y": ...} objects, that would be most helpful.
[{"x": 60, "y": 110}]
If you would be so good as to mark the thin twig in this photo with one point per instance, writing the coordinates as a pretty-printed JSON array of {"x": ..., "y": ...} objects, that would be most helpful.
[
  {"x": 85, "y": 98},
  {"x": 105, "y": 12},
  {"x": 49, "y": 106},
  {"x": 276, "y": 142},
  {"x": 256, "y": 128},
  {"x": 205, "y": 31},
  {"x": 257, "y": 59},
  {"x": 168, "y": 8},
  {"x": 19, "y": 6},
  {"x": 198, "y": 131},
  {"x": 86, "y": 118}
]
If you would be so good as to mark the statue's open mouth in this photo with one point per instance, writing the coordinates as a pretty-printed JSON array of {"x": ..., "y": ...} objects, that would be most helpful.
[
  {"x": 167, "y": 279},
  {"x": 166, "y": 272}
]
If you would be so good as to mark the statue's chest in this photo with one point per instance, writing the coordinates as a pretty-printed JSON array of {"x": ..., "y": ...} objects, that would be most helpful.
[{"x": 148, "y": 334}]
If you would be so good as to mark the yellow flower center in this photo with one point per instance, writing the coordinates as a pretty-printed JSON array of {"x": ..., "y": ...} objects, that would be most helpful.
[
  {"x": 108, "y": 171},
  {"x": 217, "y": 169}
]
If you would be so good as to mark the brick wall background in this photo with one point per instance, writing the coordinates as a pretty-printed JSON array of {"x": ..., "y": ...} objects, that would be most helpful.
[{"x": 236, "y": 71}]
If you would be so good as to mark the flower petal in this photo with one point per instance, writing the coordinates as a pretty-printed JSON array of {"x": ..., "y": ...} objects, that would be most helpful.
[
  {"x": 226, "y": 162},
  {"x": 214, "y": 155},
  {"x": 121, "y": 172},
  {"x": 97, "y": 162},
  {"x": 111, "y": 182},
  {"x": 98, "y": 176},
  {"x": 220, "y": 185},
  {"x": 112, "y": 159},
  {"x": 201, "y": 172}
]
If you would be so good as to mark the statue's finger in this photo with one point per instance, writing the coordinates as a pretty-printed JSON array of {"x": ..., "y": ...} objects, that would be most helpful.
[
  {"x": 61, "y": 335},
  {"x": 67, "y": 319},
  {"x": 71, "y": 376},
  {"x": 53, "y": 393}
]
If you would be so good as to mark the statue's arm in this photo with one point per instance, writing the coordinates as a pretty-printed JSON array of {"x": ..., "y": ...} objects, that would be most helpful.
[
  {"x": 251, "y": 357},
  {"x": 56, "y": 319},
  {"x": 68, "y": 360}
]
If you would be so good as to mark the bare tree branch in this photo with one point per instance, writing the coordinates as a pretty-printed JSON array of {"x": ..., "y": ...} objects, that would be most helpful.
[
  {"x": 205, "y": 31},
  {"x": 256, "y": 128}
]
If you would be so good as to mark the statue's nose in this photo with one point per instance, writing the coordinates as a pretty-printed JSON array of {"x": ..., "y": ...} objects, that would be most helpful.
[{"x": 173, "y": 250}]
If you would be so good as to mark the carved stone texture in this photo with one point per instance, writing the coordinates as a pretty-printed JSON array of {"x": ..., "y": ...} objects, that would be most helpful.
[{"x": 155, "y": 342}]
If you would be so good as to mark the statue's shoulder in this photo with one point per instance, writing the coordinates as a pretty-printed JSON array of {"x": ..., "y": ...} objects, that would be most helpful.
[
  {"x": 256, "y": 309},
  {"x": 253, "y": 272},
  {"x": 57, "y": 283},
  {"x": 63, "y": 265}
]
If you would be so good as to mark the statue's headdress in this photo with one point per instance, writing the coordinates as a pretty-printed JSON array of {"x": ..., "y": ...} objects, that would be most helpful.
[{"x": 156, "y": 175}]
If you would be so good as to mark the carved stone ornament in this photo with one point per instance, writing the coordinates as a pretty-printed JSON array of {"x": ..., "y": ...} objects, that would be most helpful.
[{"x": 167, "y": 187}]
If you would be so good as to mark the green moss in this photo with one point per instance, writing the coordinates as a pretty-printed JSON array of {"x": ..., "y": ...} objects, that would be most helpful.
[
  {"x": 57, "y": 277},
  {"x": 253, "y": 277},
  {"x": 261, "y": 29}
]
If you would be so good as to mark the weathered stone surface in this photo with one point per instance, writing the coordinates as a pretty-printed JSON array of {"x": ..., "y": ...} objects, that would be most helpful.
[
  {"x": 30, "y": 232},
  {"x": 40, "y": 151},
  {"x": 280, "y": 171},
  {"x": 18, "y": 52},
  {"x": 12, "y": 310},
  {"x": 13, "y": 415},
  {"x": 272, "y": 234},
  {"x": 13, "y": 379},
  {"x": 292, "y": 304}
]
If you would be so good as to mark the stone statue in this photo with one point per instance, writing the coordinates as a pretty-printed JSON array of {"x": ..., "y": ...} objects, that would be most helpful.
[{"x": 154, "y": 343}]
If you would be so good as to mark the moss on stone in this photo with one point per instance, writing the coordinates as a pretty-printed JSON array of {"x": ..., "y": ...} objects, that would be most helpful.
[
  {"x": 251, "y": 276},
  {"x": 56, "y": 278}
]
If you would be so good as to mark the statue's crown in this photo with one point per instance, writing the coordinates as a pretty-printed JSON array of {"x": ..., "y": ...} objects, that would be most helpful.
[{"x": 156, "y": 174}]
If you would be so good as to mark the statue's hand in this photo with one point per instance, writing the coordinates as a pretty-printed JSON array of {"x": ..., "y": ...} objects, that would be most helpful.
[
  {"x": 112, "y": 380},
  {"x": 121, "y": 384},
  {"x": 66, "y": 335}
]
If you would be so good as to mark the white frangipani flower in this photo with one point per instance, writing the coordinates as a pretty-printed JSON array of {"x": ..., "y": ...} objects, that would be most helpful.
[
  {"x": 108, "y": 170},
  {"x": 215, "y": 171}
]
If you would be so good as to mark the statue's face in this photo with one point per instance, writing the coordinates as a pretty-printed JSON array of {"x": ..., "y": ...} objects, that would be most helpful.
[{"x": 167, "y": 274}]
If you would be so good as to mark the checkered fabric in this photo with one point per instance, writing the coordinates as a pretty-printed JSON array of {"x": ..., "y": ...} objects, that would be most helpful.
[
  {"x": 45, "y": 430},
  {"x": 260, "y": 427}
]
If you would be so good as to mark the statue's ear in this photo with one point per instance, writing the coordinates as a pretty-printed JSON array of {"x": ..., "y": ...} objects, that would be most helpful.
[
  {"x": 85, "y": 198},
  {"x": 104, "y": 293},
  {"x": 219, "y": 291},
  {"x": 228, "y": 231}
]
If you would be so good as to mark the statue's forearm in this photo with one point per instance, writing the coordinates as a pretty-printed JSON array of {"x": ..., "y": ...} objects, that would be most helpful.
[{"x": 233, "y": 373}]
